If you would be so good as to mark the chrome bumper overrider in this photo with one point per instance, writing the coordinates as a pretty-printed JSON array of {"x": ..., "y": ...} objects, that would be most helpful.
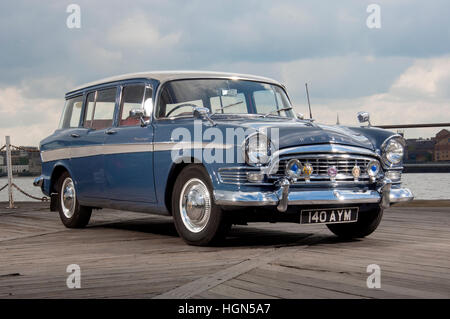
[
  {"x": 283, "y": 197},
  {"x": 38, "y": 181}
]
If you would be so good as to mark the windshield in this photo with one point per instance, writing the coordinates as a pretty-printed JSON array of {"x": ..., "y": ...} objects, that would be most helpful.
[{"x": 222, "y": 96}]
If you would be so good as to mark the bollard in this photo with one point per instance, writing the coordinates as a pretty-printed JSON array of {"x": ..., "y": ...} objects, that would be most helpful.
[{"x": 9, "y": 169}]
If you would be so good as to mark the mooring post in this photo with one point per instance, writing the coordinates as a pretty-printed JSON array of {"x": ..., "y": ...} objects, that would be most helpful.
[{"x": 9, "y": 169}]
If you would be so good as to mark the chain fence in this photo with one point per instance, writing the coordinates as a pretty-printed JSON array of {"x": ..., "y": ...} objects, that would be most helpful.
[{"x": 20, "y": 148}]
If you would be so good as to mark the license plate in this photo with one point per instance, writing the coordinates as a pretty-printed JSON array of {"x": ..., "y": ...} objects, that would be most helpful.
[{"x": 329, "y": 215}]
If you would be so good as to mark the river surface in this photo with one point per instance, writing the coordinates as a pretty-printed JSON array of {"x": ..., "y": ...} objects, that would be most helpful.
[{"x": 423, "y": 185}]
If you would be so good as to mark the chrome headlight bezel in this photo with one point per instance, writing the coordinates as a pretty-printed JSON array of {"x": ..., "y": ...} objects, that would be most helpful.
[
  {"x": 253, "y": 154},
  {"x": 393, "y": 151}
]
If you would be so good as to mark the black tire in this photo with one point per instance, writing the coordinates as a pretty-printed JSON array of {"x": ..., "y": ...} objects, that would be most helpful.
[
  {"x": 215, "y": 227},
  {"x": 78, "y": 216},
  {"x": 367, "y": 222}
]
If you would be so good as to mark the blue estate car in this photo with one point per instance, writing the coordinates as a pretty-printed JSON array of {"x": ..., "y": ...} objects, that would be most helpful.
[{"x": 212, "y": 150}]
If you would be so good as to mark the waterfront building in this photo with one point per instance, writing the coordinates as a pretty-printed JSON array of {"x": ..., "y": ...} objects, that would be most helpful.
[{"x": 442, "y": 146}]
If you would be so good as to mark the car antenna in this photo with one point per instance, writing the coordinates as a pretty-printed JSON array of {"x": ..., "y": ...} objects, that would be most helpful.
[{"x": 309, "y": 104}]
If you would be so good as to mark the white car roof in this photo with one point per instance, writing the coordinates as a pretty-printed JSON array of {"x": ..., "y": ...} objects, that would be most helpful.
[{"x": 164, "y": 76}]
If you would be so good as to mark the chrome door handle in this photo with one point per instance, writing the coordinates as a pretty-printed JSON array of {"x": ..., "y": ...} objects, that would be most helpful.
[
  {"x": 110, "y": 132},
  {"x": 75, "y": 135}
]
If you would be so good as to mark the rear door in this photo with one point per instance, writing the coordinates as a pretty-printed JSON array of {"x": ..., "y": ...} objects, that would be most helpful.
[
  {"x": 128, "y": 149},
  {"x": 87, "y": 158}
]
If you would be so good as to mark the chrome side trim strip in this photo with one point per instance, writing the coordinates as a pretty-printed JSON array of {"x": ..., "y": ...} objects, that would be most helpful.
[{"x": 85, "y": 151}]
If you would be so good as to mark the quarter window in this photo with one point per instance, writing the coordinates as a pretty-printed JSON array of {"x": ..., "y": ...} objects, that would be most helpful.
[{"x": 72, "y": 113}]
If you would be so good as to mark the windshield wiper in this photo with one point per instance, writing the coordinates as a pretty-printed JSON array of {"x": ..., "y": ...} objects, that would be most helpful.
[
  {"x": 226, "y": 106},
  {"x": 278, "y": 110}
]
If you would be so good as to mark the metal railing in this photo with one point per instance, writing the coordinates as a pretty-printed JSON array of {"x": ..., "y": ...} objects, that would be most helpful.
[{"x": 10, "y": 185}]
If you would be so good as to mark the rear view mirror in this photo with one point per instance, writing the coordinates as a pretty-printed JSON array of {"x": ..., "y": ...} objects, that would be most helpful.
[{"x": 228, "y": 92}]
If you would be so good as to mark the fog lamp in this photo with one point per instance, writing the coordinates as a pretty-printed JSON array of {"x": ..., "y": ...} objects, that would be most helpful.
[
  {"x": 373, "y": 168},
  {"x": 294, "y": 169}
]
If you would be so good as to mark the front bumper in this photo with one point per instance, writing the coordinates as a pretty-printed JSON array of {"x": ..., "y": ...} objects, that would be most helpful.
[{"x": 283, "y": 197}]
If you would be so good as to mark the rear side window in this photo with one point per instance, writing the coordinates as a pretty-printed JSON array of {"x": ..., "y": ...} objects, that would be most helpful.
[
  {"x": 72, "y": 112},
  {"x": 100, "y": 107}
]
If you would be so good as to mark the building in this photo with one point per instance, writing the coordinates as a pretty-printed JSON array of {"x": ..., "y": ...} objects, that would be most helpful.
[
  {"x": 419, "y": 150},
  {"x": 442, "y": 146},
  {"x": 24, "y": 162}
]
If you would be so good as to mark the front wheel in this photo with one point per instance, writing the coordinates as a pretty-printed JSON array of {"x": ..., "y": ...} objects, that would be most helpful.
[
  {"x": 198, "y": 220},
  {"x": 367, "y": 222},
  {"x": 72, "y": 214}
]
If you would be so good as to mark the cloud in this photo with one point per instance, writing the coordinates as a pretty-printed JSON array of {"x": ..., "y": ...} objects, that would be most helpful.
[
  {"x": 136, "y": 32},
  {"x": 27, "y": 120},
  {"x": 427, "y": 78}
]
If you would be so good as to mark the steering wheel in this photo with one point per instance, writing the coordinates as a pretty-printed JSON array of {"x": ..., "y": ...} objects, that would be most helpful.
[{"x": 180, "y": 106}]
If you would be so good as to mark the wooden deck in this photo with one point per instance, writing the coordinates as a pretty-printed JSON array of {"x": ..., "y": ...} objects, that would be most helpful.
[{"x": 128, "y": 255}]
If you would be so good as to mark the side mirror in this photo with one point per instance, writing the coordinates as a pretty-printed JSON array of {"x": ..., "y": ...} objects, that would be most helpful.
[
  {"x": 300, "y": 116},
  {"x": 203, "y": 113},
  {"x": 138, "y": 114},
  {"x": 364, "y": 117}
]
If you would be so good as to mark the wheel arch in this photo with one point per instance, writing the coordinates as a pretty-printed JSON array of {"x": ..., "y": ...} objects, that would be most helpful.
[
  {"x": 58, "y": 170},
  {"x": 174, "y": 171}
]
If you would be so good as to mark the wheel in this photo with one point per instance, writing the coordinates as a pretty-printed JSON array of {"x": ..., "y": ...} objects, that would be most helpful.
[
  {"x": 198, "y": 220},
  {"x": 367, "y": 222},
  {"x": 72, "y": 214}
]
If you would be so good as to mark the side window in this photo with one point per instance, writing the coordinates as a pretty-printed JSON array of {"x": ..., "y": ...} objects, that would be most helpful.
[
  {"x": 132, "y": 98},
  {"x": 72, "y": 113},
  {"x": 100, "y": 109}
]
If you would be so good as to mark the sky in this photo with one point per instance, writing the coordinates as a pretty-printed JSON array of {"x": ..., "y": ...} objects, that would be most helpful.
[{"x": 398, "y": 71}]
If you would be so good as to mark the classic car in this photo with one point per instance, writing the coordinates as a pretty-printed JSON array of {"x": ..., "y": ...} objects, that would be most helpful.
[{"x": 212, "y": 150}]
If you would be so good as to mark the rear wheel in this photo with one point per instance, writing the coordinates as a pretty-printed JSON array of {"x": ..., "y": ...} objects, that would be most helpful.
[
  {"x": 198, "y": 220},
  {"x": 367, "y": 222},
  {"x": 72, "y": 214}
]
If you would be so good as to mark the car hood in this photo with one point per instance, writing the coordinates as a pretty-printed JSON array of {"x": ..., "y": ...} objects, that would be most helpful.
[{"x": 297, "y": 133}]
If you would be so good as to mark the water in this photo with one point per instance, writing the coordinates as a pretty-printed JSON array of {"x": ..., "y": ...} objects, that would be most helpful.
[{"x": 424, "y": 186}]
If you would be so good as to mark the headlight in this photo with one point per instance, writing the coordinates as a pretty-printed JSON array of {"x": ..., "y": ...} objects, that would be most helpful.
[
  {"x": 257, "y": 149},
  {"x": 393, "y": 151}
]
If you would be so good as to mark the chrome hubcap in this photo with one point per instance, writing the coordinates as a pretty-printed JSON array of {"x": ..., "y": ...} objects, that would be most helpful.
[
  {"x": 68, "y": 197},
  {"x": 195, "y": 205}
]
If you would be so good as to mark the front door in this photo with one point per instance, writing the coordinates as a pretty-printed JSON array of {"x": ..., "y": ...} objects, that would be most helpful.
[{"x": 128, "y": 149}]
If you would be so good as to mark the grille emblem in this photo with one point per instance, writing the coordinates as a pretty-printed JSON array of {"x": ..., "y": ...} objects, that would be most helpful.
[
  {"x": 356, "y": 172},
  {"x": 307, "y": 170},
  {"x": 332, "y": 172}
]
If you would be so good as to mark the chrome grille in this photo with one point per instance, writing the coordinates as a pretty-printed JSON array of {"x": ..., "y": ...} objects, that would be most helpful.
[
  {"x": 321, "y": 162},
  {"x": 233, "y": 175}
]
